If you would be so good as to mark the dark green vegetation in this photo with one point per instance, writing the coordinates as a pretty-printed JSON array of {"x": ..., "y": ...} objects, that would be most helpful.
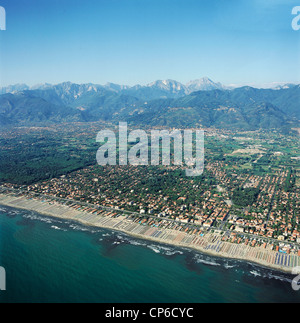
[
  {"x": 245, "y": 196},
  {"x": 244, "y": 108},
  {"x": 37, "y": 154},
  {"x": 290, "y": 181}
]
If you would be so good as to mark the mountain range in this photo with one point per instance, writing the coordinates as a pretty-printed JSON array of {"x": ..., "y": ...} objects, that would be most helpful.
[
  {"x": 157, "y": 89},
  {"x": 166, "y": 103}
]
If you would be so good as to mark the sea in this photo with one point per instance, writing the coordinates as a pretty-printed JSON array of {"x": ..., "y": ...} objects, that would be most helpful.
[{"x": 50, "y": 260}]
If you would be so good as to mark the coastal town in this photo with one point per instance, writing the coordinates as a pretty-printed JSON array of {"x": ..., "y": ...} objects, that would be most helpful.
[
  {"x": 227, "y": 244},
  {"x": 246, "y": 200}
]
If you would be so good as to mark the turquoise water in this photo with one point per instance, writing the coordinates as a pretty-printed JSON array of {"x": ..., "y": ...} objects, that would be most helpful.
[{"x": 49, "y": 260}]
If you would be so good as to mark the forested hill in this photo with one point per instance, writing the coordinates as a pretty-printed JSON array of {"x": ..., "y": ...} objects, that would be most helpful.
[{"x": 242, "y": 108}]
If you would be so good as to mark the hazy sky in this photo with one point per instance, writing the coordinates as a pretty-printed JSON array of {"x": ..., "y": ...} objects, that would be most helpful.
[{"x": 139, "y": 41}]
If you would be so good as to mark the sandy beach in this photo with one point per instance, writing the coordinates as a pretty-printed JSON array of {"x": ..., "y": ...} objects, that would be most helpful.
[{"x": 209, "y": 243}]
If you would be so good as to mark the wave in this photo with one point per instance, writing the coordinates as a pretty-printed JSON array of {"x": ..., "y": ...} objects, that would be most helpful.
[
  {"x": 137, "y": 243},
  {"x": 255, "y": 273},
  {"x": 164, "y": 250},
  {"x": 281, "y": 278},
  {"x": 227, "y": 266},
  {"x": 78, "y": 227},
  {"x": 199, "y": 258},
  {"x": 39, "y": 218},
  {"x": 175, "y": 252},
  {"x": 154, "y": 248},
  {"x": 208, "y": 262},
  {"x": 157, "y": 248},
  {"x": 57, "y": 228}
]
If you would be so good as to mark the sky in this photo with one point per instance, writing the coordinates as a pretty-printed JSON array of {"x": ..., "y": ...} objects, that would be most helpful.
[{"x": 139, "y": 41}]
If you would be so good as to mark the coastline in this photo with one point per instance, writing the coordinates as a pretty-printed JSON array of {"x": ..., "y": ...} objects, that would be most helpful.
[{"x": 210, "y": 243}]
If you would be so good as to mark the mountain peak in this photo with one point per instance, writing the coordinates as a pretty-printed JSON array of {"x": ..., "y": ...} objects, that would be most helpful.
[
  {"x": 115, "y": 87},
  {"x": 168, "y": 85},
  {"x": 203, "y": 84}
]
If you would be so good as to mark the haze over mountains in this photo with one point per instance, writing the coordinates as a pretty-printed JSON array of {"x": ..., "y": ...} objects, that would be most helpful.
[{"x": 167, "y": 103}]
